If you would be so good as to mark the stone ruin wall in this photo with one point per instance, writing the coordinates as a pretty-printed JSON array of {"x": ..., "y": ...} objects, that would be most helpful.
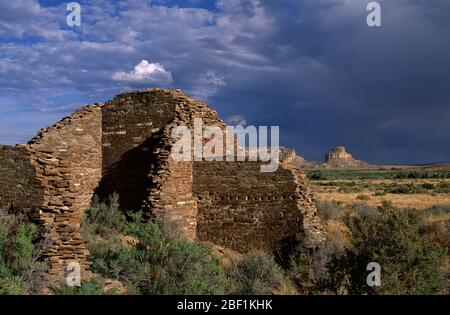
[
  {"x": 19, "y": 190},
  {"x": 133, "y": 126},
  {"x": 137, "y": 143},
  {"x": 174, "y": 198},
  {"x": 67, "y": 159},
  {"x": 52, "y": 178},
  {"x": 124, "y": 146},
  {"x": 241, "y": 208}
]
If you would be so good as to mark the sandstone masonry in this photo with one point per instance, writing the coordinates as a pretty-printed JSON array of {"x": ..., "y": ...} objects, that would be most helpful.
[{"x": 123, "y": 146}]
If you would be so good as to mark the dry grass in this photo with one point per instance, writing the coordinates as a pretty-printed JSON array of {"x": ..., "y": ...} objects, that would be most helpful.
[
  {"x": 367, "y": 187},
  {"x": 418, "y": 201}
]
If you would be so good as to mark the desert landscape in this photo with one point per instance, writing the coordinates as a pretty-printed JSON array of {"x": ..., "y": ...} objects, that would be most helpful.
[
  {"x": 344, "y": 184},
  {"x": 97, "y": 204},
  {"x": 235, "y": 150},
  {"x": 346, "y": 180}
]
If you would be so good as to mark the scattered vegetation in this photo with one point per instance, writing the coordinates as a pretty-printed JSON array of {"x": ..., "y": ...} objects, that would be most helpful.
[
  {"x": 258, "y": 274},
  {"x": 377, "y": 174},
  {"x": 94, "y": 286},
  {"x": 154, "y": 260},
  {"x": 411, "y": 263},
  {"x": 363, "y": 197},
  {"x": 411, "y": 259},
  {"x": 19, "y": 265},
  {"x": 383, "y": 188},
  {"x": 148, "y": 257}
]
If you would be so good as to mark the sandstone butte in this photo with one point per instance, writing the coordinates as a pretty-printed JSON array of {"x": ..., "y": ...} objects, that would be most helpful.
[{"x": 123, "y": 146}]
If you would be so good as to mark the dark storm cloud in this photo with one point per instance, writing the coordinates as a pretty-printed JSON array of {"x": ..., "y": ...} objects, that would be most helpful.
[
  {"x": 383, "y": 92},
  {"x": 313, "y": 67}
]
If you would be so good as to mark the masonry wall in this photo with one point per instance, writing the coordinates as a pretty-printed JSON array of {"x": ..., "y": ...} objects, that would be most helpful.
[
  {"x": 179, "y": 204},
  {"x": 124, "y": 146},
  {"x": 19, "y": 187},
  {"x": 172, "y": 196},
  {"x": 132, "y": 127},
  {"x": 67, "y": 160},
  {"x": 137, "y": 143},
  {"x": 242, "y": 208}
]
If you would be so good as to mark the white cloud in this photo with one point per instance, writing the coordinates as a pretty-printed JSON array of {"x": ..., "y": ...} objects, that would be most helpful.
[
  {"x": 145, "y": 72},
  {"x": 206, "y": 85},
  {"x": 26, "y": 18},
  {"x": 210, "y": 78}
]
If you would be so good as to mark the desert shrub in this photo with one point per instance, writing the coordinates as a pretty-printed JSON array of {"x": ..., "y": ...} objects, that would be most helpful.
[
  {"x": 350, "y": 189},
  {"x": 308, "y": 267},
  {"x": 328, "y": 184},
  {"x": 104, "y": 219},
  {"x": 328, "y": 209},
  {"x": 363, "y": 197},
  {"x": 12, "y": 286},
  {"x": 159, "y": 263},
  {"x": 316, "y": 175},
  {"x": 411, "y": 263},
  {"x": 19, "y": 263},
  {"x": 436, "y": 224},
  {"x": 364, "y": 211},
  {"x": 437, "y": 210},
  {"x": 414, "y": 175},
  {"x": 443, "y": 188},
  {"x": 428, "y": 186},
  {"x": 438, "y": 231},
  {"x": 404, "y": 189},
  {"x": 92, "y": 287},
  {"x": 258, "y": 273},
  {"x": 380, "y": 193}
]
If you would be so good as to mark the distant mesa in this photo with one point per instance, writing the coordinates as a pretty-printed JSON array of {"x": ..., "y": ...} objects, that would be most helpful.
[
  {"x": 289, "y": 156},
  {"x": 337, "y": 157},
  {"x": 337, "y": 154}
]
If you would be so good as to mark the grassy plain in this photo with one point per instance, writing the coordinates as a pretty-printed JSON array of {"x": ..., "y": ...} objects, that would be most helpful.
[{"x": 405, "y": 187}]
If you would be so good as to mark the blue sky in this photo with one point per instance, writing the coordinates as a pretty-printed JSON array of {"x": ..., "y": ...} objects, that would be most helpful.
[{"x": 313, "y": 67}]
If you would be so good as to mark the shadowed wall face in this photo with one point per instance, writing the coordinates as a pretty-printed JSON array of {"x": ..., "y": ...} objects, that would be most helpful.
[
  {"x": 19, "y": 187},
  {"x": 132, "y": 125},
  {"x": 241, "y": 208}
]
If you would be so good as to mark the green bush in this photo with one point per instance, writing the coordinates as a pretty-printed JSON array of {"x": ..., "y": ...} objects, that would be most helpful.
[
  {"x": 257, "y": 273},
  {"x": 10, "y": 285},
  {"x": 410, "y": 263},
  {"x": 428, "y": 186},
  {"x": 328, "y": 210},
  {"x": 308, "y": 267},
  {"x": 104, "y": 219},
  {"x": 18, "y": 256},
  {"x": 363, "y": 197},
  {"x": 350, "y": 189},
  {"x": 443, "y": 188},
  {"x": 437, "y": 210},
  {"x": 92, "y": 287},
  {"x": 405, "y": 189},
  {"x": 159, "y": 263},
  {"x": 316, "y": 175}
]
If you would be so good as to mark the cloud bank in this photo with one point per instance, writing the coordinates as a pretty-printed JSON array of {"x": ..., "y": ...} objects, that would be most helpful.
[{"x": 313, "y": 67}]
